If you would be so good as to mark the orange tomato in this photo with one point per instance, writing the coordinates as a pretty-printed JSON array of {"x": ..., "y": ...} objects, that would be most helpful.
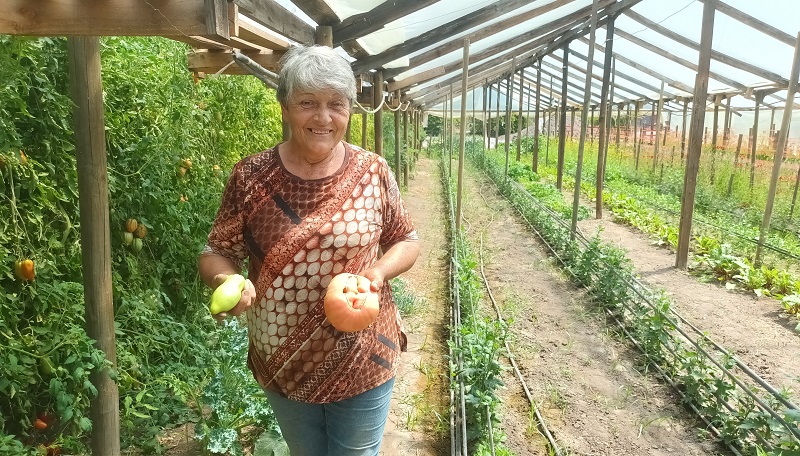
[
  {"x": 141, "y": 231},
  {"x": 25, "y": 269},
  {"x": 349, "y": 303},
  {"x": 131, "y": 225},
  {"x": 39, "y": 424}
]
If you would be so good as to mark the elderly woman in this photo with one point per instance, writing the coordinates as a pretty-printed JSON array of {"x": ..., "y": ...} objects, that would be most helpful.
[{"x": 302, "y": 212}]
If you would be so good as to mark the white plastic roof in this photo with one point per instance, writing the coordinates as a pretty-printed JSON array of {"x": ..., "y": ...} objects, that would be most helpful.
[{"x": 771, "y": 54}]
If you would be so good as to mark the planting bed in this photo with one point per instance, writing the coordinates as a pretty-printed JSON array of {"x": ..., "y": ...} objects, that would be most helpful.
[{"x": 585, "y": 381}]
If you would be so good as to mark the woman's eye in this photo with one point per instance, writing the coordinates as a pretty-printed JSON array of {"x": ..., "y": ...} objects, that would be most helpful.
[{"x": 307, "y": 104}]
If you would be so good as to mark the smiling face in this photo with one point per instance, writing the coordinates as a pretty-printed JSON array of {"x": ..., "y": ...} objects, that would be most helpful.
[{"x": 318, "y": 121}]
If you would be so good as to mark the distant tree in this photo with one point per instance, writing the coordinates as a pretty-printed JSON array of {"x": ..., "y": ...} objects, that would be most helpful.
[{"x": 434, "y": 127}]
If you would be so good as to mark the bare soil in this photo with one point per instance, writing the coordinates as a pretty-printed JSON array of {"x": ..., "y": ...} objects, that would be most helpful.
[{"x": 418, "y": 421}]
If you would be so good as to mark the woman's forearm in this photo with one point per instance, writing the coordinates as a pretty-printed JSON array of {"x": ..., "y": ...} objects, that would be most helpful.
[{"x": 211, "y": 265}]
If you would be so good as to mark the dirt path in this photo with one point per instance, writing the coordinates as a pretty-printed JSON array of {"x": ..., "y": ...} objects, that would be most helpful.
[
  {"x": 585, "y": 381},
  {"x": 418, "y": 418},
  {"x": 755, "y": 330}
]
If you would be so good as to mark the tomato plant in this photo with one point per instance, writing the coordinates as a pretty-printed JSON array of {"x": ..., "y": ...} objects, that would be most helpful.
[{"x": 162, "y": 325}]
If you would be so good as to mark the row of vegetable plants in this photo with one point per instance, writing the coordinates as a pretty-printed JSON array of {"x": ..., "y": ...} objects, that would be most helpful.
[
  {"x": 724, "y": 234},
  {"x": 476, "y": 344},
  {"x": 171, "y": 140},
  {"x": 736, "y": 408}
]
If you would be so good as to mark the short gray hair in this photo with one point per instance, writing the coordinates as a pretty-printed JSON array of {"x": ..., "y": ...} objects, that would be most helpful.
[{"x": 312, "y": 69}]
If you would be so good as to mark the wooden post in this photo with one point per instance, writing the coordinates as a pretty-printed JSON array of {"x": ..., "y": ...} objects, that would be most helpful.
[
  {"x": 324, "y": 35},
  {"x": 397, "y": 161},
  {"x": 587, "y": 98},
  {"x": 572, "y": 123},
  {"x": 695, "y": 135},
  {"x": 636, "y": 130},
  {"x": 549, "y": 127},
  {"x": 652, "y": 122},
  {"x": 683, "y": 127},
  {"x": 509, "y": 95},
  {"x": 735, "y": 164},
  {"x": 772, "y": 135},
  {"x": 90, "y": 146},
  {"x": 519, "y": 115},
  {"x": 619, "y": 115},
  {"x": 404, "y": 148},
  {"x": 759, "y": 97},
  {"x": 377, "y": 117},
  {"x": 364, "y": 130},
  {"x": 726, "y": 132},
  {"x": 487, "y": 130},
  {"x": 657, "y": 125},
  {"x": 463, "y": 133},
  {"x": 562, "y": 123},
  {"x": 535, "y": 166},
  {"x": 602, "y": 144},
  {"x": 497, "y": 117},
  {"x": 450, "y": 124},
  {"x": 486, "y": 93},
  {"x": 714, "y": 133},
  {"x": 782, "y": 140}
]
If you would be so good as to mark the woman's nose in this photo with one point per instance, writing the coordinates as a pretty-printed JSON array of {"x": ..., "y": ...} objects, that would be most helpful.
[{"x": 323, "y": 114}]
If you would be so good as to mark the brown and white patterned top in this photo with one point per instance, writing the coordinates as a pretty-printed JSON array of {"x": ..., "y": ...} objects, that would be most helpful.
[{"x": 298, "y": 234}]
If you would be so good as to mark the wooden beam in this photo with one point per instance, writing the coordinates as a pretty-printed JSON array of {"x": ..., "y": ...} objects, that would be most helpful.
[
  {"x": 621, "y": 75},
  {"x": 250, "y": 31},
  {"x": 562, "y": 24},
  {"x": 452, "y": 28},
  {"x": 603, "y": 17},
  {"x": 582, "y": 70},
  {"x": 644, "y": 69},
  {"x": 112, "y": 17},
  {"x": 715, "y": 55},
  {"x": 275, "y": 17},
  {"x": 674, "y": 58},
  {"x": 212, "y": 61},
  {"x": 360, "y": 25},
  {"x": 578, "y": 92},
  {"x": 499, "y": 54},
  {"x": 217, "y": 18},
  {"x": 417, "y": 78},
  {"x": 319, "y": 11},
  {"x": 757, "y": 24}
]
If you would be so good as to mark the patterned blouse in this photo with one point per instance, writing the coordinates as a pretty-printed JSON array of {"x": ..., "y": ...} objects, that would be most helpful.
[{"x": 298, "y": 234}]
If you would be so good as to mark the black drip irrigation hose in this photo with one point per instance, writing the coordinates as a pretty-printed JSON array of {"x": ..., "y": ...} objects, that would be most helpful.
[{"x": 637, "y": 286}]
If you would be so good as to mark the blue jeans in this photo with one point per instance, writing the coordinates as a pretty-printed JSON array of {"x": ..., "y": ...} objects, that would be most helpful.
[{"x": 352, "y": 427}]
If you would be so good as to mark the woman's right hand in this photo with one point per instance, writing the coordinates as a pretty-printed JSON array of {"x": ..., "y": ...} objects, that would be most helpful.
[{"x": 248, "y": 297}]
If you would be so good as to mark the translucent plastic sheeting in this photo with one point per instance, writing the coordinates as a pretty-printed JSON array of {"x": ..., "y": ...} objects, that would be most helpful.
[{"x": 682, "y": 17}]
